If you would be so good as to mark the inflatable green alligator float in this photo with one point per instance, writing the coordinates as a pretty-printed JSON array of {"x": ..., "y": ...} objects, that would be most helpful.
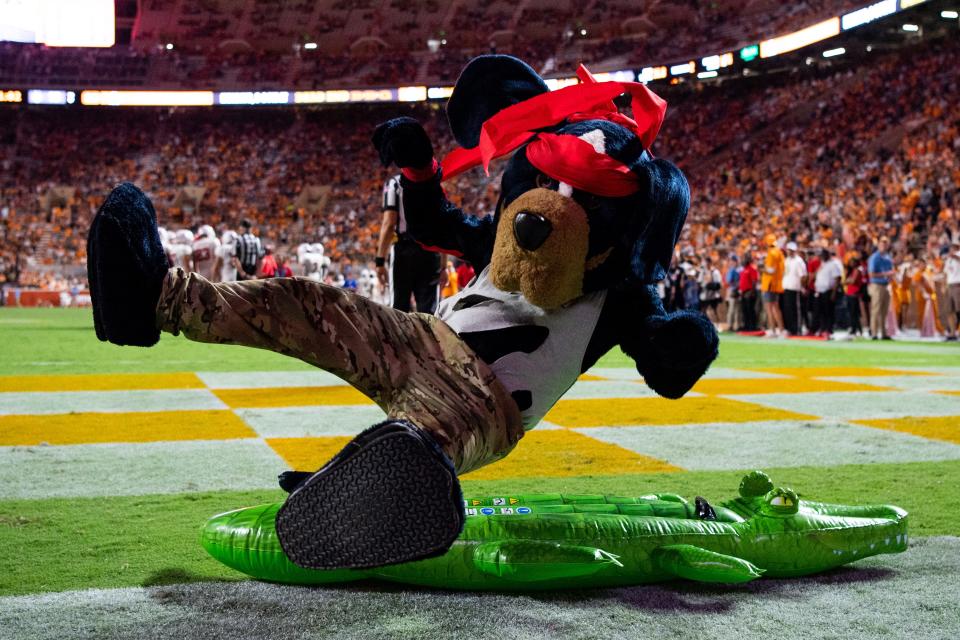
[{"x": 552, "y": 541}]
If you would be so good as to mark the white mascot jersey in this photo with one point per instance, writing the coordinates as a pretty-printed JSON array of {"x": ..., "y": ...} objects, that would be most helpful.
[{"x": 538, "y": 369}]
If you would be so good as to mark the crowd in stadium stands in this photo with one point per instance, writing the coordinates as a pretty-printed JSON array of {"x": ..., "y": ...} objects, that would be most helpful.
[
  {"x": 616, "y": 33},
  {"x": 830, "y": 163}
]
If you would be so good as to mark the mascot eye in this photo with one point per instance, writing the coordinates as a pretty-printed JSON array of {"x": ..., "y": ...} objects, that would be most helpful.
[{"x": 546, "y": 182}]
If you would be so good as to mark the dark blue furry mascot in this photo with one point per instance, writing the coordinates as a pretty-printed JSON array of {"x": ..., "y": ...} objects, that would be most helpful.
[{"x": 586, "y": 223}]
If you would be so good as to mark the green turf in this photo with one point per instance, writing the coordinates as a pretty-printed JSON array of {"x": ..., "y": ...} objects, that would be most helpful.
[
  {"x": 39, "y": 341},
  {"x": 61, "y": 544}
]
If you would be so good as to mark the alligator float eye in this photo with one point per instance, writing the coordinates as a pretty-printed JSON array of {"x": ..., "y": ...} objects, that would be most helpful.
[{"x": 781, "y": 502}]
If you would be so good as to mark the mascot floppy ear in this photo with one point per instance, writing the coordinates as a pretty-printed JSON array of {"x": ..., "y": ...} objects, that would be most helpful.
[
  {"x": 487, "y": 85},
  {"x": 666, "y": 199}
]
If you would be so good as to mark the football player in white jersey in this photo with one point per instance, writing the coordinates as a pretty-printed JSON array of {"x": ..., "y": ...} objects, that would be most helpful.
[
  {"x": 227, "y": 256},
  {"x": 367, "y": 284},
  {"x": 314, "y": 263},
  {"x": 181, "y": 249},
  {"x": 205, "y": 252}
]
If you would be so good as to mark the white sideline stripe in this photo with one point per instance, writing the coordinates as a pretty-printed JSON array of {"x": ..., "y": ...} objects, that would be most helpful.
[
  {"x": 137, "y": 469},
  {"x": 303, "y": 422},
  {"x": 857, "y": 405},
  {"x": 907, "y": 595},
  {"x": 314, "y": 422},
  {"x": 587, "y": 389},
  {"x": 906, "y": 383},
  {"x": 268, "y": 379},
  {"x": 945, "y": 371},
  {"x": 714, "y": 373},
  {"x": 787, "y": 443},
  {"x": 50, "y": 402}
]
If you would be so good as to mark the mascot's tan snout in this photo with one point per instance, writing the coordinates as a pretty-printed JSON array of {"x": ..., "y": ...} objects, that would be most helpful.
[{"x": 541, "y": 248}]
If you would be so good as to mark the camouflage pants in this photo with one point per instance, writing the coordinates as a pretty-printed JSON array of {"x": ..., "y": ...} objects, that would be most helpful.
[{"x": 411, "y": 364}]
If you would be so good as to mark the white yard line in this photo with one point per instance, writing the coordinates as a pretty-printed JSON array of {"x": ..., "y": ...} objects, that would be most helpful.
[
  {"x": 268, "y": 379},
  {"x": 854, "y": 405},
  {"x": 49, "y": 402},
  {"x": 785, "y": 443},
  {"x": 137, "y": 469}
]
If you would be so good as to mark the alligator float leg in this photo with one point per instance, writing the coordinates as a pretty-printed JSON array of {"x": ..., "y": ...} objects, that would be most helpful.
[{"x": 695, "y": 563}]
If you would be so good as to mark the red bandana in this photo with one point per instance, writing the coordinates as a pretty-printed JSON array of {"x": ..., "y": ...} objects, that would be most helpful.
[
  {"x": 589, "y": 100},
  {"x": 572, "y": 160}
]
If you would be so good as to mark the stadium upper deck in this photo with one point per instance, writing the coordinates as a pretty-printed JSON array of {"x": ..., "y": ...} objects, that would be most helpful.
[{"x": 268, "y": 44}]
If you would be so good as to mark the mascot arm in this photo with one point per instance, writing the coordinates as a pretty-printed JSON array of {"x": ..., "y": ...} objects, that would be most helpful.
[
  {"x": 432, "y": 220},
  {"x": 672, "y": 350},
  {"x": 438, "y": 224}
]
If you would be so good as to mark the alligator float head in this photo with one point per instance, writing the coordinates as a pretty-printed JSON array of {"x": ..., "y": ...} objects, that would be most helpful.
[
  {"x": 790, "y": 536},
  {"x": 550, "y": 541}
]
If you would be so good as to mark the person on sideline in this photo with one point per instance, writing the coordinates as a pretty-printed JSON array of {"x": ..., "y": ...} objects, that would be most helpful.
[
  {"x": 951, "y": 267},
  {"x": 794, "y": 274},
  {"x": 734, "y": 312},
  {"x": 771, "y": 284},
  {"x": 880, "y": 272}
]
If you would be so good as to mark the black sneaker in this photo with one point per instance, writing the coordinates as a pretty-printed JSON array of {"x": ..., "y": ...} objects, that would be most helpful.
[
  {"x": 390, "y": 496},
  {"x": 126, "y": 265}
]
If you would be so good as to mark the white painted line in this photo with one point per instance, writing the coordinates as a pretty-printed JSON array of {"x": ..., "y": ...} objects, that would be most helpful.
[
  {"x": 302, "y": 422},
  {"x": 861, "y": 405},
  {"x": 714, "y": 373},
  {"x": 906, "y": 383},
  {"x": 268, "y": 379},
  {"x": 587, "y": 389},
  {"x": 787, "y": 443},
  {"x": 137, "y": 469},
  {"x": 49, "y": 402}
]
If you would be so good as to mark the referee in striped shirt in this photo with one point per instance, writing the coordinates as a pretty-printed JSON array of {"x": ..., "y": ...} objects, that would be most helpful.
[
  {"x": 403, "y": 266},
  {"x": 249, "y": 252}
]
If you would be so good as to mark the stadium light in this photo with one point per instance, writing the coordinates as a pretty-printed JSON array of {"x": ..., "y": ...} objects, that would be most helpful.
[
  {"x": 50, "y": 96},
  {"x": 310, "y": 45},
  {"x": 949, "y": 15},
  {"x": 800, "y": 39},
  {"x": 147, "y": 98},
  {"x": 911, "y": 27},
  {"x": 169, "y": 46},
  {"x": 839, "y": 51},
  {"x": 868, "y": 14}
]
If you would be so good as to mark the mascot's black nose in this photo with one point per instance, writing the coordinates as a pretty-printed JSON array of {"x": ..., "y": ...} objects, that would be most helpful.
[{"x": 531, "y": 230}]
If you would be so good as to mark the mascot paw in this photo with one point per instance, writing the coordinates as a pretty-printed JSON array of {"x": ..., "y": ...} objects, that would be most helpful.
[
  {"x": 680, "y": 348},
  {"x": 402, "y": 141},
  {"x": 390, "y": 496},
  {"x": 126, "y": 265}
]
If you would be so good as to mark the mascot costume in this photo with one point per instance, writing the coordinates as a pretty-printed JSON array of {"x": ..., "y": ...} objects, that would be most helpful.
[{"x": 586, "y": 223}]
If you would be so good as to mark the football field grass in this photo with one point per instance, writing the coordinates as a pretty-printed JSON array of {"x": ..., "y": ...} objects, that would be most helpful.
[{"x": 111, "y": 459}]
